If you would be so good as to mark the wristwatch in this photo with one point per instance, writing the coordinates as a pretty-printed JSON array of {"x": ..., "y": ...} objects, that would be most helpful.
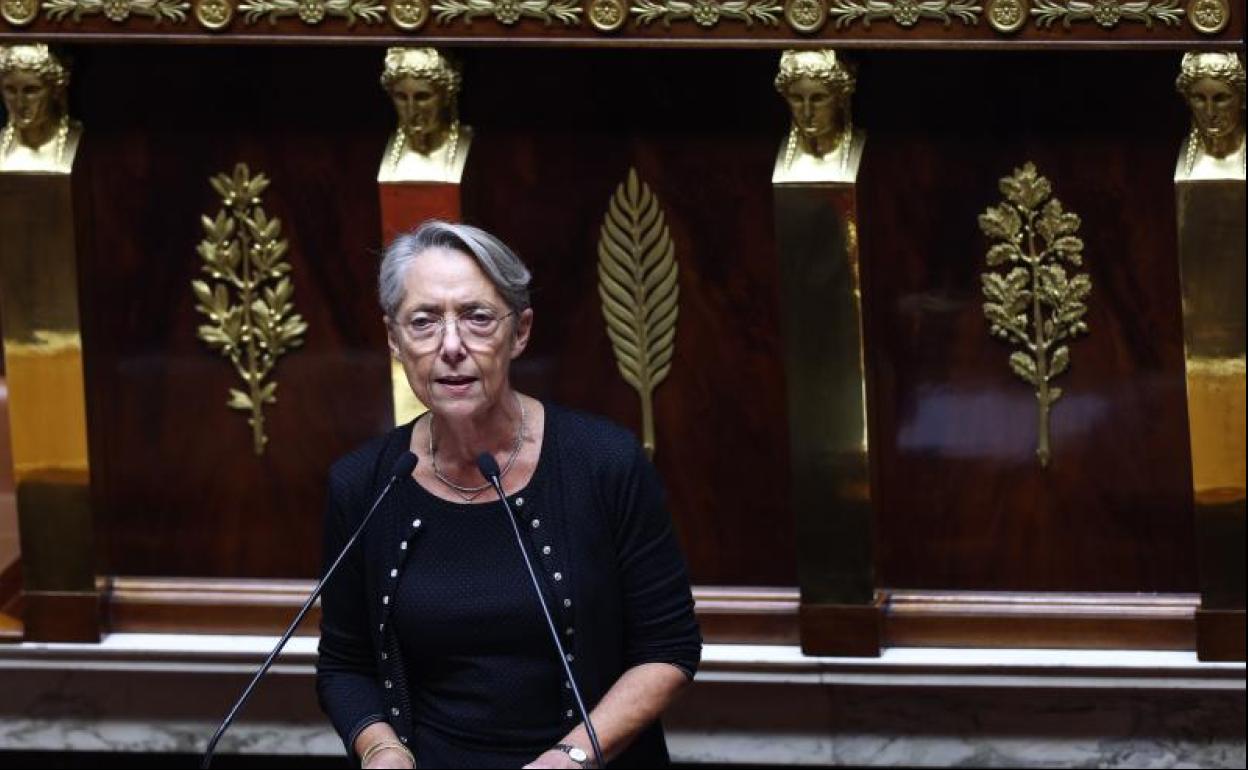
[{"x": 576, "y": 753}]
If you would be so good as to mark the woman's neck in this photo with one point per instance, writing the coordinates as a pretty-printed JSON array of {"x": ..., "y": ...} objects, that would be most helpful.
[{"x": 460, "y": 441}]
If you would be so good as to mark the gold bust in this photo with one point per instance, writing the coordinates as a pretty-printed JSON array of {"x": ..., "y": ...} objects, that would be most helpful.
[
  {"x": 817, "y": 86},
  {"x": 429, "y": 144},
  {"x": 1212, "y": 84},
  {"x": 39, "y": 136}
]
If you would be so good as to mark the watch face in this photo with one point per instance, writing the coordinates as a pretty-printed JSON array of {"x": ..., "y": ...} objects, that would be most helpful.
[{"x": 578, "y": 754}]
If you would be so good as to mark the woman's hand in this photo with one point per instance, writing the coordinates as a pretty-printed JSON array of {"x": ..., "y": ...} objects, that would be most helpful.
[{"x": 555, "y": 758}]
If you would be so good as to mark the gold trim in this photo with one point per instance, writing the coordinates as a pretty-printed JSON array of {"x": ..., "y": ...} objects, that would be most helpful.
[
  {"x": 313, "y": 12},
  {"x": 118, "y": 11},
  {"x": 707, "y": 13},
  {"x": 508, "y": 12},
  {"x": 1035, "y": 305},
  {"x": 243, "y": 253},
  {"x": 1007, "y": 16},
  {"x": 637, "y": 275},
  {"x": 905, "y": 13},
  {"x": 806, "y": 16},
  {"x": 607, "y": 15},
  {"x": 409, "y": 15},
  {"x": 1208, "y": 17},
  {"x": 1107, "y": 13},
  {"x": 19, "y": 13},
  {"x": 214, "y": 14}
]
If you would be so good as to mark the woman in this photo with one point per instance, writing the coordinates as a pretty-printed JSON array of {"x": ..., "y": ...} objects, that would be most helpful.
[{"x": 433, "y": 648}]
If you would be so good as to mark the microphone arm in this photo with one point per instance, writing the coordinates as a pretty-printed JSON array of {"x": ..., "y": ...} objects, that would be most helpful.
[
  {"x": 402, "y": 467},
  {"x": 489, "y": 469}
]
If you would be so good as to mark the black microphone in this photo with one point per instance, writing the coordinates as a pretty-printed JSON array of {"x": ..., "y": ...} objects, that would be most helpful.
[
  {"x": 489, "y": 469},
  {"x": 402, "y": 467}
]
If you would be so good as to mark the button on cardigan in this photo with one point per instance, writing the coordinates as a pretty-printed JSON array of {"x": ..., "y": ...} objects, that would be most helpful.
[{"x": 623, "y": 591}]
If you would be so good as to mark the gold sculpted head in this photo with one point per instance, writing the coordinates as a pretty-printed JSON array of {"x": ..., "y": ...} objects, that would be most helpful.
[
  {"x": 33, "y": 83},
  {"x": 1213, "y": 86},
  {"x": 422, "y": 84},
  {"x": 817, "y": 86}
]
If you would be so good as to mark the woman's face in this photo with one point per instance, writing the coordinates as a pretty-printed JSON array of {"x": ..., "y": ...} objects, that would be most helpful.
[
  {"x": 26, "y": 99},
  {"x": 1216, "y": 107},
  {"x": 456, "y": 372}
]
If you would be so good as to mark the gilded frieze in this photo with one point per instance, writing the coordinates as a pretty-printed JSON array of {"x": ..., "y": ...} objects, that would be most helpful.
[
  {"x": 19, "y": 13},
  {"x": 313, "y": 12},
  {"x": 904, "y": 13},
  {"x": 1209, "y": 17},
  {"x": 1031, "y": 300},
  {"x": 637, "y": 284},
  {"x": 248, "y": 302},
  {"x": 1007, "y": 16},
  {"x": 117, "y": 11},
  {"x": 508, "y": 12},
  {"x": 409, "y": 15},
  {"x": 607, "y": 15},
  {"x": 707, "y": 13},
  {"x": 1107, "y": 13}
]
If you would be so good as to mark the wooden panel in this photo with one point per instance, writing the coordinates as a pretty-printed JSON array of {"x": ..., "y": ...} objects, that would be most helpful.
[
  {"x": 177, "y": 485},
  {"x": 961, "y": 500},
  {"x": 1220, "y": 634},
  {"x": 1074, "y": 621}
]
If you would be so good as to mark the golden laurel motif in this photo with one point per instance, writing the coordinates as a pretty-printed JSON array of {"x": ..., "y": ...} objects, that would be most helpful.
[
  {"x": 1007, "y": 16},
  {"x": 313, "y": 12},
  {"x": 707, "y": 13},
  {"x": 806, "y": 16},
  {"x": 509, "y": 12},
  {"x": 253, "y": 322},
  {"x": 19, "y": 13},
  {"x": 409, "y": 15},
  {"x": 607, "y": 15},
  {"x": 1107, "y": 13},
  {"x": 117, "y": 11},
  {"x": 1035, "y": 305},
  {"x": 214, "y": 14},
  {"x": 904, "y": 13},
  {"x": 1209, "y": 17},
  {"x": 637, "y": 283}
]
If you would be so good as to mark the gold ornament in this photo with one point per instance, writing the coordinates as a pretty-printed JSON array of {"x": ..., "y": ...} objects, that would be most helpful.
[
  {"x": 904, "y": 13},
  {"x": 409, "y": 15},
  {"x": 118, "y": 11},
  {"x": 243, "y": 254},
  {"x": 806, "y": 16},
  {"x": 1107, "y": 13},
  {"x": 508, "y": 12},
  {"x": 1007, "y": 16},
  {"x": 313, "y": 12},
  {"x": 707, "y": 13},
  {"x": 637, "y": 284},
  {"x": 607, "y": 15},
  {"x": 1035, "y": 305},
  {"x": 214, "y": 14},
  {"x": 1209, "y": 17},
  {"x": 19, "y": 13}
]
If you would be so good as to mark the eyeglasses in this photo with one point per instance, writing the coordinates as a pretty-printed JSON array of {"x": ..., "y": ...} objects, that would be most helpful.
[{"x": 476, "y": 328}]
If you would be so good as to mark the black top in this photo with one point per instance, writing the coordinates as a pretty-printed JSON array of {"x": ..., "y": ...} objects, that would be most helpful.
[{"x": 425, "y": 624}]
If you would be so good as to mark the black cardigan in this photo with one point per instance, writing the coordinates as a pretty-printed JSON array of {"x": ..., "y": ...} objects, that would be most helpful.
[{"x": 626, "y": 592}]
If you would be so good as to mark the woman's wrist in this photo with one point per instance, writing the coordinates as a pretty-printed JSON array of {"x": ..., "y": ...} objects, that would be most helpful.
[{"x": 386, "y": 745}]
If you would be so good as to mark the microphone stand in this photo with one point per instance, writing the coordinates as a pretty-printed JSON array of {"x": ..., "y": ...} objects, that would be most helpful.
[
  {"x": 403, "y": 467},
  {"x": 489, "y": 469}
]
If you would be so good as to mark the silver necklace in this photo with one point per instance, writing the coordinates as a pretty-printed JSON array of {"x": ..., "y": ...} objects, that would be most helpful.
[{"x": 470, "y": 493}]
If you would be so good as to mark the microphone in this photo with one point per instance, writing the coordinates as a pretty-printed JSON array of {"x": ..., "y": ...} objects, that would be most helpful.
[
  {"x": 402, "y": 467},
  {"x": 489, "y": 469}
]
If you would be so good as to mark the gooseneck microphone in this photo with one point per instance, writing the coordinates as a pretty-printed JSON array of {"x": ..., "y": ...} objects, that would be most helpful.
[
  {"x": 489, "y": 469},
  {"x": 402, "y": 467}
]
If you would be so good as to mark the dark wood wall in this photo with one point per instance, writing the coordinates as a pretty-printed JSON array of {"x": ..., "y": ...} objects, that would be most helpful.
[{"x": 961, "y": 502}]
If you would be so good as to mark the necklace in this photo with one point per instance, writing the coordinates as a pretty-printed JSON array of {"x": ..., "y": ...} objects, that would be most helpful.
[{"x": 470, "y": 493}]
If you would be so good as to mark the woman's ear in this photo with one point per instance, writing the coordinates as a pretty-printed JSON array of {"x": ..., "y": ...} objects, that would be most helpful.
[
  {"x": 524, "y": 325},
  {"x": 390, "y": 341}
]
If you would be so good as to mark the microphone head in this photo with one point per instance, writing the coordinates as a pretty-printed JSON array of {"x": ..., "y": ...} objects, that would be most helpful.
[
  {"x": 404, "y": 465},
  {"x": 488, "y": 467}
]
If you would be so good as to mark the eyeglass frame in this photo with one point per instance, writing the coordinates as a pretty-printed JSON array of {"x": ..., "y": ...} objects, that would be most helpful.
[{"x": 437, "y": 336}]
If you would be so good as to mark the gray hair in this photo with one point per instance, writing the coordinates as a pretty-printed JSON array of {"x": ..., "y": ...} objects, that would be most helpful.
[{"x": 499, "y": 263}]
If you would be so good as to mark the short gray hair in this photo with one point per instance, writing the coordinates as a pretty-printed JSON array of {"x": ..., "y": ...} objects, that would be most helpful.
[{"x": 499, "y": 263}]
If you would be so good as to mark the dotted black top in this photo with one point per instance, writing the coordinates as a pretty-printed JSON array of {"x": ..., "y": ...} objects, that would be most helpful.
[{"x": 429, "y": 623}]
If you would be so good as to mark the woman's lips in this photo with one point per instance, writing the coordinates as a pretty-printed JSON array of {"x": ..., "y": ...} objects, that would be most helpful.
[{"x": 456, "y": 384}]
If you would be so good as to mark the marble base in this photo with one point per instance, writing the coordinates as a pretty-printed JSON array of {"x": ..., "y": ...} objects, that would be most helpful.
[{"x": 749, "y": 705}]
